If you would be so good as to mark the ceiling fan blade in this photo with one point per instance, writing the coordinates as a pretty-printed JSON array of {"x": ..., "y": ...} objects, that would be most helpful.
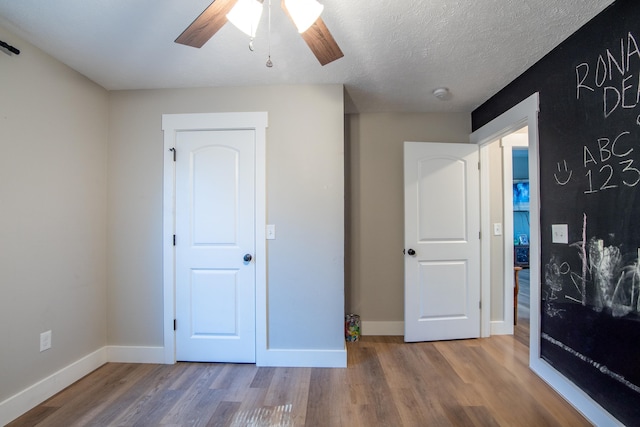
[
  {"x": 322, "y": 43},
  {"x": 319, "y": 39},
  {"x": 207, "y": 24}
]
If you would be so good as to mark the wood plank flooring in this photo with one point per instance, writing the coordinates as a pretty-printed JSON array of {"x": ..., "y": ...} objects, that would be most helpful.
[{"x": 482, "y": 382}]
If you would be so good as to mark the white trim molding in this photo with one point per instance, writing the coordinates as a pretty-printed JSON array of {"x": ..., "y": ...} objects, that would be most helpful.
[
  {"x": 501, "y": 327},
  {"x": 304, "y": 358},
  {"x": 171, "y": 125},
  {"x": 523, "y": 114},
  {"x": 18, "y": 404}
]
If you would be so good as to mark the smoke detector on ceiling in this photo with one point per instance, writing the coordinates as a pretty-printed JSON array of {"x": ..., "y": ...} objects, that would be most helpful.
[{"x": 442, "y": 93}]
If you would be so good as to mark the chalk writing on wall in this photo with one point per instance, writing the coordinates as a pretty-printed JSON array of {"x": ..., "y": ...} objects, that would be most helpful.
[
  {"x": 611, "y": 78},
  {"x": 591, "y": 288},
  {"x": 607, "y": 164}
]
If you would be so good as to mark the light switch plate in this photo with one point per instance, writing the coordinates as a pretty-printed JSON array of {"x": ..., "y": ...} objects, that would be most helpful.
[
  {"x": 497, "y": 229},
  {"x": 271, "y": 231},
  {"x": 560, "y": 233}
]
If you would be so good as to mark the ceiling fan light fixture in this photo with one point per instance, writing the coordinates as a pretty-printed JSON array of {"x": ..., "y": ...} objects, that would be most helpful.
[
  {"x": 245, "y": 15},
  {"x": 304, "y": 13}
]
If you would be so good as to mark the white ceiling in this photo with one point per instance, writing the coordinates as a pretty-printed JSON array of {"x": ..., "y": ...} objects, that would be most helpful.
[{"x": 396, "y": 51}]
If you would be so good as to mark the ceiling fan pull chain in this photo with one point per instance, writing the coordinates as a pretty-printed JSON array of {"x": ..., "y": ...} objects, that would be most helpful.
[{"x": 269, "y": 63}]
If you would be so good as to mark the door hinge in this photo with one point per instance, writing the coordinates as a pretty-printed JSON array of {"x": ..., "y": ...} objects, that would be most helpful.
[
  {"x": 174, "y": 240},
  {"x": 478, "y": 165},
  {"x": 479, "y": 306},
  {"x": 479, "y": 236},
  {"x": 174, "y": 153},
  {"x": 174, "y": 324}
]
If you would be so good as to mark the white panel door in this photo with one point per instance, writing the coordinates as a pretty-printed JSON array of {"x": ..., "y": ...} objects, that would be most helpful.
[
  {"x": 442, "y": 244},
  {"x": 215, "y": 241}
]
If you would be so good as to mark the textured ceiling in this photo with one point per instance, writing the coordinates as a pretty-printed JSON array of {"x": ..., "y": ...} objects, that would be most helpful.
[{"x": 396, "y": 51}]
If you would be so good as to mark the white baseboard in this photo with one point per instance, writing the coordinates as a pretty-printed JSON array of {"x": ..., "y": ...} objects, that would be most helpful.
[
  {"x": 580, "y": 400},
  {"x": 130, "y": 354},
  {"x": 303, "y": 358},
  {"x": 500, "y": 327},
  {"x": 18, "y": 404},
  {"x": 382, "y": 328}
]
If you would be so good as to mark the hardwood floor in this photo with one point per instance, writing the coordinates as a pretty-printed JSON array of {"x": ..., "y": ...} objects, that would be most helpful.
[{"x": 482, "y": 382}]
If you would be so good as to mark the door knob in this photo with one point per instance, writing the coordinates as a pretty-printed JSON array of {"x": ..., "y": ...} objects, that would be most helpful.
[
  {"x": 248, "y": 258},
  {"x": 411, "y": 252}
]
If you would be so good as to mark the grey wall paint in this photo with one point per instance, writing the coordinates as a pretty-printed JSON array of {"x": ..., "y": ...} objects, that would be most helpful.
[
  {"x": 305, "y": 200},
  {"x": 375, "y": 207},
  {"x": 53, "y": 183},
  {"x": 81, "y": 195}
]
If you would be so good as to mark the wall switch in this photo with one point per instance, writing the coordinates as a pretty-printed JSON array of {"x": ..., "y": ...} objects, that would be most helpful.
[
  {"x": 497, "y": 229},
  {"x": 271, "y": 231},
  {"x": 560, "y": 233},
  {"x": 45, "y": 341}
]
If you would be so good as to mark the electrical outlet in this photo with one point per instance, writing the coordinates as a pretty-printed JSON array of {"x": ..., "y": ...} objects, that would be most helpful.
[{"x": 45, "y": 341}]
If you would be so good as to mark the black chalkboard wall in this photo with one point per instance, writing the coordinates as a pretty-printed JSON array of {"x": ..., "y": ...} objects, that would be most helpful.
[{"x": 589, "y": 156}]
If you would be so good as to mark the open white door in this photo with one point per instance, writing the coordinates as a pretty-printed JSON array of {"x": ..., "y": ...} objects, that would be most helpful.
[
  {"x": 215, "y": 246},
  {"x": 442, "y": 241}
]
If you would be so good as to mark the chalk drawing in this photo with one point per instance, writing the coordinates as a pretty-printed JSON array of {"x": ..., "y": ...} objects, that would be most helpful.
[
  {"x": 604, "y": 280},
  {"x": 602, "y": 368},
  {"x": 554, "y": 283},
  {"x": 565, "y": 176}
]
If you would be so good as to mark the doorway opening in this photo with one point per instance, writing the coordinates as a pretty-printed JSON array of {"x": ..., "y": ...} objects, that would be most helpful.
[
  {"x": 517, "y": 236},
  {"x": 521, "y": 237},
  {"x": 523, "y": 115}
]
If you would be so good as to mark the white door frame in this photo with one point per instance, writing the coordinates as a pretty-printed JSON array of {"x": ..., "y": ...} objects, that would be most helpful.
[
  {"x": 171, "y": 124},
  {"x": 523, "y": 114}
]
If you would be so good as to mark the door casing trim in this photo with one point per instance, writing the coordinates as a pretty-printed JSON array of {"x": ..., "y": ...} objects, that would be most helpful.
[
  {"x": 523, "y": 114},
  {"x": 171, "y": 125}
]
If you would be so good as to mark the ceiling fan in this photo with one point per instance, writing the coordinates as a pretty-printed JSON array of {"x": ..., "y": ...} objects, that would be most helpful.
[{"x": 317, "y": 35}]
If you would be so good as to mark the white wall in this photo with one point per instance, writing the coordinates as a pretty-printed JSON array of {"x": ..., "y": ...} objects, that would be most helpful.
[
  {"x": 53, "y": 134},
  {"x": 305, "y": 200}
]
